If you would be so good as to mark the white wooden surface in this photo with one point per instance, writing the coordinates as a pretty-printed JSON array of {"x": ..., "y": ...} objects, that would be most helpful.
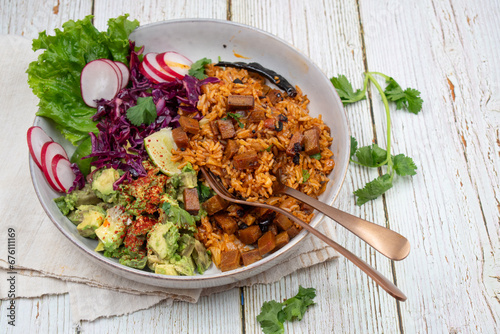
[{"x": 450, "y": 211}]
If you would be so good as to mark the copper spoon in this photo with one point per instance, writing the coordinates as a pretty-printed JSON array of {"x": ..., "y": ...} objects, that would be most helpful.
[
  {"x": 383, "y": 282},
  {"x": 389, "y": 243}
]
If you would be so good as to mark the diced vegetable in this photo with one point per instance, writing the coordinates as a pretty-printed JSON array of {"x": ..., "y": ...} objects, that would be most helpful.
[{"x": 230, "y": 260}]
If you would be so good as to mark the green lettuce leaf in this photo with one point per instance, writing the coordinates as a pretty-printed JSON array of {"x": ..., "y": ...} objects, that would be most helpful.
[{"x": 55, "y": 76}]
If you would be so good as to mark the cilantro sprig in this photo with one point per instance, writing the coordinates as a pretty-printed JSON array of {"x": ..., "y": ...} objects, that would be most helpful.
[
  {"x": 372, "y": 155},
  {"x": 197, "y": 69},
  {"x": 273, "y": 314}
]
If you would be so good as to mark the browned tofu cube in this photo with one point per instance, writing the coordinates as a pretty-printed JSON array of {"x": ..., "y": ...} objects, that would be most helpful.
[
  {"x": 311, "y": 141},
  {"x": 251, "y": 256},
  {"x": 215, "y": 204},
  {"x": 295, "y": 144},
  {"x": 282, "y": 239},
  {"x": 240, "y": 102},
  {"x": 180, "y": 138},
  {"x": 231, "y": 148},
  {"x": 189, "y": 125},
  {"x": 292, "y": 232},
  {"x": 244, "y": 160},
  {"x": 274, "y": 96},
  {"x": 250, "y": 235},
  {"x": 266, "y": 243},
  {"x": 283, "y": 222},
  {"x": 226, "y": 128},
  {"x": 214, "y": 127},
  {"x": 191, "y": 201},
  {"x": 230, "y": 260},
  {"x": 256, "y": 116},
  {"x": 226, "y": 223}
]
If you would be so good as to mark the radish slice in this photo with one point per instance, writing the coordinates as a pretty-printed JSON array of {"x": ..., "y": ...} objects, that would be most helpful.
[
  {"x": 36, "y": 139},
  {"x": 117, "y": 71},
  {"x": 125, "y": 73},
  {"x": 148, "y": 73},
  {"x": 49, "y": 151},
  {"x": 159, "y": 60},
  {"x": 177, "y": 62},
  {"x": 150, "y": 60},
  {"x": 98, "y": 80},
  {"x": 63, "y": 174}
]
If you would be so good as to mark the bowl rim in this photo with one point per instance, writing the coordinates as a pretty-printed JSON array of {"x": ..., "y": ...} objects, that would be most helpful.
[{"x": 210, "y": 279}]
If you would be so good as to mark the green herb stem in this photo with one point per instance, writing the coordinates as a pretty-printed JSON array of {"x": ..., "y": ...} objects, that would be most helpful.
[{"x": 388, "y": 117}]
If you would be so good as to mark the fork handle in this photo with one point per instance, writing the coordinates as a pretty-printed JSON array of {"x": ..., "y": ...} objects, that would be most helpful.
[
  {"x": 389, "y": 243},
  {"x": 382, "y": 281}
]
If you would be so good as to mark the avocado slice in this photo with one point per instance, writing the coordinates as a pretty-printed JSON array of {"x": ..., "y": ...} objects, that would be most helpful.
[{"x": 112, "y": 230}]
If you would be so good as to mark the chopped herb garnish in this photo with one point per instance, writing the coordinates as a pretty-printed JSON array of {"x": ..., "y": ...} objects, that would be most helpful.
[
  {"x": 316, "y": 156},
  {"x": 144, "y": 112},
  {"x": 237, "y": 118},
  {"x": 197, "y": 69},
  {"x": 305, "y": 175},
  {"x": 373, "y": 155}
]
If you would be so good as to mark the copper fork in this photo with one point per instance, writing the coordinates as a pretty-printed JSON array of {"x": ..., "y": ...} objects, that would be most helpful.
[
  {"x": 382, "y": 281},
  {"x": 389, "y": 243}
]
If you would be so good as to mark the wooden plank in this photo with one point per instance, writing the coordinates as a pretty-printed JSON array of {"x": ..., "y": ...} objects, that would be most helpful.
[
  {"x": 155, "y": 11},
  {"x": 219, "y": 313},
  {"x": 29, "y": 17},
  {"x": 330, "y": 36},
  {"x": 450, "y": 208}
]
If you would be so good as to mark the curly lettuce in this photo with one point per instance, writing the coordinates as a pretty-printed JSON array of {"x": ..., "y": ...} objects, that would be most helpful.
[{"x": 55, "y": 76}]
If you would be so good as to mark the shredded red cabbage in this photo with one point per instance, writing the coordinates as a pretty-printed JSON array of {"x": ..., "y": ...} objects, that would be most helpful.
[{"x": 119, "y": 143}]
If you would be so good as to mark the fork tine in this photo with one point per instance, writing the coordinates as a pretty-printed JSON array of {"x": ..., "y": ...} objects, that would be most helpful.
[{"x": 209, "y": 176}]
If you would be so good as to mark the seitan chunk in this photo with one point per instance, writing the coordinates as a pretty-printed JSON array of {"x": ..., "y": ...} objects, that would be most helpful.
[
  {"x": 311, "y": 141},
  {"x": 189, "y": 125},
  {"x": 226, "y": 223},
  {"x": 191, "y": 201},
  {"x": 251, "y": 256},
  {"x": 231, "y": 148},
  {"x": 250, "y": 235},
  {"x": 180, "y": 138},
  {"x": 248, "y": 159},
  {"x": 215, "y": 204},
  {"x": 240, "y": 102},
  {"x": 230, "y": 260},
  {"x": 226, "y": 128},
  {"x": 295, "y": 145},
  {"x": 266, "y": 243}
]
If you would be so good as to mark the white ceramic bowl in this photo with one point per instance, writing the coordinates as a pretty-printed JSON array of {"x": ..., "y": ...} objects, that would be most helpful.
[{"x": 198, "y": 38}]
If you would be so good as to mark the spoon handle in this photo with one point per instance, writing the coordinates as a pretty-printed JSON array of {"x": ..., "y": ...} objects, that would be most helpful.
[
  {"x": 382, "y": 281},
  {"x": 389, "y": 243}
]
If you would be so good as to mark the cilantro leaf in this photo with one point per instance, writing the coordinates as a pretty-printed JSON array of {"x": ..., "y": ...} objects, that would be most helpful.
[
  {"x": 237, "y": 118},
  {"x": 409, "y": 98},
  {"x": 305, "y": 175},
  {"x": 296, "y": 307},
  {"x": 197, "y": 69},
  {"x": 345, "y": 90},
  {"x": 373, "y": 189},
  {"x": 354, "y": 146},
  {"x": 404, "y": 165},
  {"x": 270, "y": 319},
  {"x": 316, "y": 156},
  {"x": 142, "y": 113},
  {"x": 371, "y": 156},
  {"x": 204, "y": 192}
]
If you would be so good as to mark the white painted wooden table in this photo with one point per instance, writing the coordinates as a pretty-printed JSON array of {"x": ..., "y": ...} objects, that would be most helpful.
[{"x": 450, "y": 51}]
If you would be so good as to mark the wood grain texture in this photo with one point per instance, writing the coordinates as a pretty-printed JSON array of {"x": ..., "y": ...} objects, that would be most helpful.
[
  {"x": 453, "y": 215},
  {"x": 450, "y": 211}
]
